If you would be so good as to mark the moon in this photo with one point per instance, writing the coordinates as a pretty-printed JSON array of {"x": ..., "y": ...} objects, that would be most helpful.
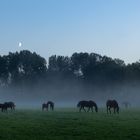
[{"x": 19, "y": 44}]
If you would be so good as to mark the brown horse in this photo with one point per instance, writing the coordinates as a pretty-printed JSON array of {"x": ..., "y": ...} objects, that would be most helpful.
[
  {"x": 112, "y": 104},
  {"x": 88, "y": 104}
]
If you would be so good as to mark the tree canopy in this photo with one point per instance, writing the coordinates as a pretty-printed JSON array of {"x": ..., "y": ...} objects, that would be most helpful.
[{"x": 25, "y": 67}]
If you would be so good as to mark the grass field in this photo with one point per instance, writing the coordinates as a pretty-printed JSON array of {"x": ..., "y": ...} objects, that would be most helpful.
[{"x": 68, "y": 124}]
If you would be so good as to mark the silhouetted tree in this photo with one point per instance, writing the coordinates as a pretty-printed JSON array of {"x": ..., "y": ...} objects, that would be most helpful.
[
  {"x": 60, "y": 66},
  {"x": 132, "y": 72},
  {"x": 27, "y": 68},
  {"x": 3, "y": 71}
]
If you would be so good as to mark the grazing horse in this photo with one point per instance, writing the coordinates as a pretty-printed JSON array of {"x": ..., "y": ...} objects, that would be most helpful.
[
  {"x": 10, "y": 105},
  {"x": 112, "y": 104},
  {"x": 7, "y": 105},
  {"x": 88, "y": 104},
  {"x": 44, "y": 105},
  {"x": 48, "y": 105}
]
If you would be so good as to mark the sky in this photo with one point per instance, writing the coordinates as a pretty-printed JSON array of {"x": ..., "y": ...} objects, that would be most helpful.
[{"x": 62, "y": 27}]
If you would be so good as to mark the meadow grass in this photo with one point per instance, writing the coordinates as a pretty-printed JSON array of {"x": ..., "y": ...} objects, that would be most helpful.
[{"x": 69, "y": 124}]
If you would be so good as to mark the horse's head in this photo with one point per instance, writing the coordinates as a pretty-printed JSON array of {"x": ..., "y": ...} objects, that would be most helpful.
[{"x": 96, "y": 108}]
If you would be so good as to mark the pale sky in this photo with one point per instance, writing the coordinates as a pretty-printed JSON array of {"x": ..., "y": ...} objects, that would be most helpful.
[{"x": 62, "y": 27}]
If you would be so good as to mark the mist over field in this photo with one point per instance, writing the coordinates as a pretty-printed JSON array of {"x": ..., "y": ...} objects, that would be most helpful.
[
  {"x": 68, "y": 96},
  {"x": 29, "y": 80}
]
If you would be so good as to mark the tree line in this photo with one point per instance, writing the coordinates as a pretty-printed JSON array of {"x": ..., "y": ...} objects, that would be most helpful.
[{"x": 27, "y": 68}]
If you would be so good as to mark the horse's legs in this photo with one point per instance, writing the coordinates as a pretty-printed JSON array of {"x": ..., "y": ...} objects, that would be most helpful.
[
  {"x": 4, "y": 109},
  {"x": 14, "y": 108},
  {"x": 80, "y": 109},
  {"x": 88, "y": 109},
  {"x": 84, "y": 109},
  {"x": 92, "y": 109},
  {"x": 109, "y": 110},
  {"x": 114, "y": 110}
]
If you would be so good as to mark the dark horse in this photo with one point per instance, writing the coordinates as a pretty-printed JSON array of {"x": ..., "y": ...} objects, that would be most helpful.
[
  {"x": 7, "y": 105},
  {"x": 48, "y": 105},
  {"x": 89, "y": 104},
  {"x": 112, "y": 104}
]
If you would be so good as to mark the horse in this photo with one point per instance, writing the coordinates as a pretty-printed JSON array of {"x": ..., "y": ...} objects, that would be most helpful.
[
  {"x": 112, "y": 104},
  {"x": 7, "y": 105},
  {"x": 48, "y": 105},
  {"x": 126, "y": 104},
  {"x": 88, "y": 104},
  {"x": 44, "y": 105},
  {"x": 10, "y": 105}
]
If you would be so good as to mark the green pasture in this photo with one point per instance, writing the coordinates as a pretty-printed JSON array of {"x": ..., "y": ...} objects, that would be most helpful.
[{"x": 69, "y": 124}]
